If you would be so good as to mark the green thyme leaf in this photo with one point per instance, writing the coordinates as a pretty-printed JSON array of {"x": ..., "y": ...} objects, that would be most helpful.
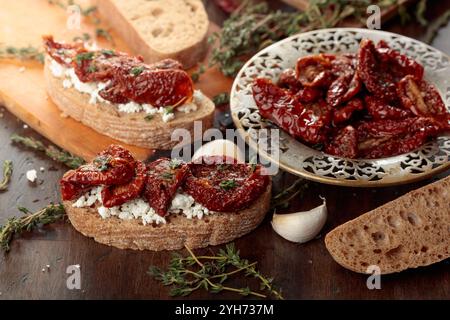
[
  {"x": 167, "y": 175},
  {"x": 137, "y": 70},
  {"x": 92, "y": 68},
  {"x": 103, "y": 33},
  {"x": 221, "y": 99},
  {"x": 175, "y": 164},
  {"x": 84, "y": 56},
  {"x": 108, "y": 52},
  {"x": 227, "y": 184},
  {"x": 148, "y": 117},
  {"x": 168, "y": 110},
  {"x": 195, "y": 76},
  {"x": 102, "y": 162}
]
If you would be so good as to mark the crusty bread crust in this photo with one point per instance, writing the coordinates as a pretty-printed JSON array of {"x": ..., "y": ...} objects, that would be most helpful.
[
  {"x": 214, "y": 229},
  {"x": 138, "y": 36},
  {"x": 130, "y": 128},
  {"x": 409, "y": 232}
]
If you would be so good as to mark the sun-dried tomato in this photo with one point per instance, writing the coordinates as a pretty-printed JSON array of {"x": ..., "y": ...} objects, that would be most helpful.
[
  {"x": 288, "y": 80},
  {"x": 160, "y": 88},
  {"x": 345, "y": 112},
  {"x": 344, "y": 143},
  {"x": 398, "y": 64},
  {"x": 420, "y": 97},
  {"x": 379, "y": 109},
  {"x": 113, "y": 166},
  {"x": 380, "y": 92},
  {"x": 395, "y": 146},
  {"x": 377, "y": 134},
  {"x": 63, "y": 53},
  {"x": 314, "y": 71},
  {"x": 377, "y": 81},
  {"x": 343, "y": 89},
  {"x": 164, "y": 177},
  {"x": 225, "y": 187},
  {"x": 282, "y": 108},
  {"x": 115, "y": 195},
  {"x": 308, "y": 95},
  {"x": 390, "y": 128}
]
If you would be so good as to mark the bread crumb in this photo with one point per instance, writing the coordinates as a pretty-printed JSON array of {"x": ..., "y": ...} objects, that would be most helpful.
[
  {"x": 22, "y": 69},
  {"x": 43, "y": 270},
  {"x": 41, "y": 169},
  {"x": 25, "y": 126}
]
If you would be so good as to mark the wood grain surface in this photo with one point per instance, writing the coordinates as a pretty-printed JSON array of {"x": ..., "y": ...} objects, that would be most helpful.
[{"x": 303, "y": 271}]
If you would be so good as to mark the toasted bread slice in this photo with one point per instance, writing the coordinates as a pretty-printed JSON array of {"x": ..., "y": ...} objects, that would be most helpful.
[
  {"x": 409, "y": 232},
  {"x": 131, "y": 128},
  {"x": 160, "y": 29},
  {"x": 213, "y": 229}
]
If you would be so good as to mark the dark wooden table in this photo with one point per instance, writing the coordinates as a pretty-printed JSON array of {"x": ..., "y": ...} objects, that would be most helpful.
[{"x": 303, "y": 271}]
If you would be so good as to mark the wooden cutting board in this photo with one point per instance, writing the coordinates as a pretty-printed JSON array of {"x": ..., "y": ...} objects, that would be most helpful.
[{"x": 22, "y": 89}]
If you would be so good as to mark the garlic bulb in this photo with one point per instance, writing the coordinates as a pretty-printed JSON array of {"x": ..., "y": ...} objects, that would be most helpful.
[
  {"x": 220, "y": 147},
  {"x": 300, "y": 227}
]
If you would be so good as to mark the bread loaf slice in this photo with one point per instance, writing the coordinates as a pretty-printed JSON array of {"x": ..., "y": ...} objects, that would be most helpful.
[
  {"x": 213, "y": 229},
  {"x": 409, "y": 232},
  {"x": 160, "y": 29},
  {"x": 131, "y": 128}
]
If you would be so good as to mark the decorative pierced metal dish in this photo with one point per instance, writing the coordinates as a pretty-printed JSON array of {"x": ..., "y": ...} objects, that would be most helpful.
[{"x": 299, "y": 159}]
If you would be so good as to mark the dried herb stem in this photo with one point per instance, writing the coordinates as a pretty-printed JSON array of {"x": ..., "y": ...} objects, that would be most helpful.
[
  {"x": 54, "y": 153},
  {"x": 191, "y": 273},
  {"x": 15, "y": 226},
  {"x": 7, "y": 173},
  {"x": 22, "y": 53},
  {"x": 283, "y": 198}
]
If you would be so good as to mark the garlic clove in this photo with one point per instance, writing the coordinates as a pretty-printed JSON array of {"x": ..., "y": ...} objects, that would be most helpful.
[
  {"x": 300, "y": 227},
  {"x": 220, "y": 147}
]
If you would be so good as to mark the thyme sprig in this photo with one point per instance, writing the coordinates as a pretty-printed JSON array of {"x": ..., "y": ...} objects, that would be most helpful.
[
  {"x": 7, "y": 173},
  {"x": 56, "y": 154},
  {"x": 191, "y": 273},
  {"x": 15, "y": 226},
  {"x": 283, "y": 198},
  {"x": 22, "y": 53},
  {"x": 221, "y": 99},
  {"x": 254, "y": 26}
]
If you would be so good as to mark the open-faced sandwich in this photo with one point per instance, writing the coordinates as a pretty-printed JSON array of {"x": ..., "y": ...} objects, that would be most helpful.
[
  {"x": 372, "y": 104},
  {"x": 165, "y": 204},
  {"x": 120, "y": 96}
]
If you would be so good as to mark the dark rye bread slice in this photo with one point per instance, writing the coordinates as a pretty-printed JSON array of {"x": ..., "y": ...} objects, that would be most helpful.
[
  {"x": 213, "y": 229},
  {"x": 409, "y": 232}
]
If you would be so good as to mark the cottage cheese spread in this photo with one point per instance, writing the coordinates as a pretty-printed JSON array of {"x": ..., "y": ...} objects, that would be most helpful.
[{"x": 140, "y": 209}]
